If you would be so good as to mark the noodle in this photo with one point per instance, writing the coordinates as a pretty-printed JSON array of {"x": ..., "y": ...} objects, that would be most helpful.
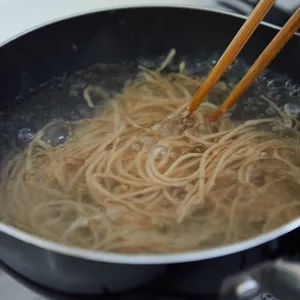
[{"x": 142, "y": 177}]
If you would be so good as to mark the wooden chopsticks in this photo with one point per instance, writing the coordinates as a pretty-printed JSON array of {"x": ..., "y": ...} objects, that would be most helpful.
[
  {"x": 270, "y": 52},
  {"x": 231, "y": 52}
]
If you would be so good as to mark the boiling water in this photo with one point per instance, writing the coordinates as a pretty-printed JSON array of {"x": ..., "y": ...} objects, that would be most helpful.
[
  {"x": 60, "y": 101},
  {"x": 61, "y": 98}
]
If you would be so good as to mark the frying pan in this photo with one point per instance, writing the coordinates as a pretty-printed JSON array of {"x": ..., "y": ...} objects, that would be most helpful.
[{"x": 43, "y": 72}]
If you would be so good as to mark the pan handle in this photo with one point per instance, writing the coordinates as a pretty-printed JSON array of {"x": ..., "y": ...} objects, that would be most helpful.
[{"x": 280, "y": 278}]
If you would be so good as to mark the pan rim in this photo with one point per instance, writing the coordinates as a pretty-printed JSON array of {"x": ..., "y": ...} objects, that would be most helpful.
[
  {"x": 144, "y": 259},
  {"x": 114, "y": 7},
  {"x": 147, "y": 259}
]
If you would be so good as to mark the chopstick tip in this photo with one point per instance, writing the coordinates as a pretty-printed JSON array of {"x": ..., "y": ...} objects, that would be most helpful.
[{"x": 213, "y": 115}]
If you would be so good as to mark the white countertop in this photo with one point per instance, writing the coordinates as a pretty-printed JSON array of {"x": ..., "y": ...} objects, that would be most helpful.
[{"x": 18, "y": 16}]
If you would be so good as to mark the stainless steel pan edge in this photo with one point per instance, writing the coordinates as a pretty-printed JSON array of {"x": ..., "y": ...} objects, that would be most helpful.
[{"x": 147, "y": 259}]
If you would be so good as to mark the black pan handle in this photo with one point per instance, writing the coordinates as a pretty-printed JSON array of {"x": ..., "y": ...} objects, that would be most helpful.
[{"x": 280, "y": 278}]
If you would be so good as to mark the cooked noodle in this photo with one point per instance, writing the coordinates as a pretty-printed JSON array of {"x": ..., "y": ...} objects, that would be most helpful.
[{"x": 141, "y": 178}]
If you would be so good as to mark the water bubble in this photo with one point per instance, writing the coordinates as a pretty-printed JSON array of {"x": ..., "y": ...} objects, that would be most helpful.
[
  {"x": 276, "y": 83},
  {"x": 199, "y": 149},
  {"x": 173, "y": 154},
  {"x": 136, "y": 147},
  {"x": 263, "y": 154},
  {"x": 124, "y": 187},
  {"x": 232, "y": 80},
  {"x": 171, "y": 116},
  {"x": 177, "y": 128},
  {"x": 276, "y": 95},
  {"x": 202, "y": 68},
  {"x": 228, "y": 114},
  {"x": 238, "y": 64},
  {"x": 290, "y": 84},
  {"x": 76, "y": 89},
  {"x": 145, "y": 139},
  {"x": 248, "y": 101},
  {"x": 262, "y": 80},
  {"x": 271, "y": 79},
  {"x": 119, "y": 188},
  {"x": 295, "y": 93},
  {"x": 287, "y": 123},
  {"x": 204, "y": 64},
  {"x": 255, "y": 91},
  {"x": 156, "y": 127},
  {"x": 189, "y": 121},
  {"x": 271, "y": 110},
  {"x": 282, "y": 124},
  {"x": 159, "y": 151},
  {"x": 178, "y": 193},
  {"x": 234, "y": 73},
  {"x": 201, "y": 128},
  {"x": 25, "y": 134},
  {"x": 56, "y": 134},
  {"x": 292, "y": 109},
  {"x": 213, "y": 62},
  {"x": 73, "y": 116}
]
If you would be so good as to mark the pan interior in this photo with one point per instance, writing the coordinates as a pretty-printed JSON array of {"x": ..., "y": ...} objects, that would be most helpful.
[{"x": 57, "y": 108}]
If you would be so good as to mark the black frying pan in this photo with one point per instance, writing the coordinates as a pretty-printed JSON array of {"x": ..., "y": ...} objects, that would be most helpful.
[{"x": 59, "y": 54}]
